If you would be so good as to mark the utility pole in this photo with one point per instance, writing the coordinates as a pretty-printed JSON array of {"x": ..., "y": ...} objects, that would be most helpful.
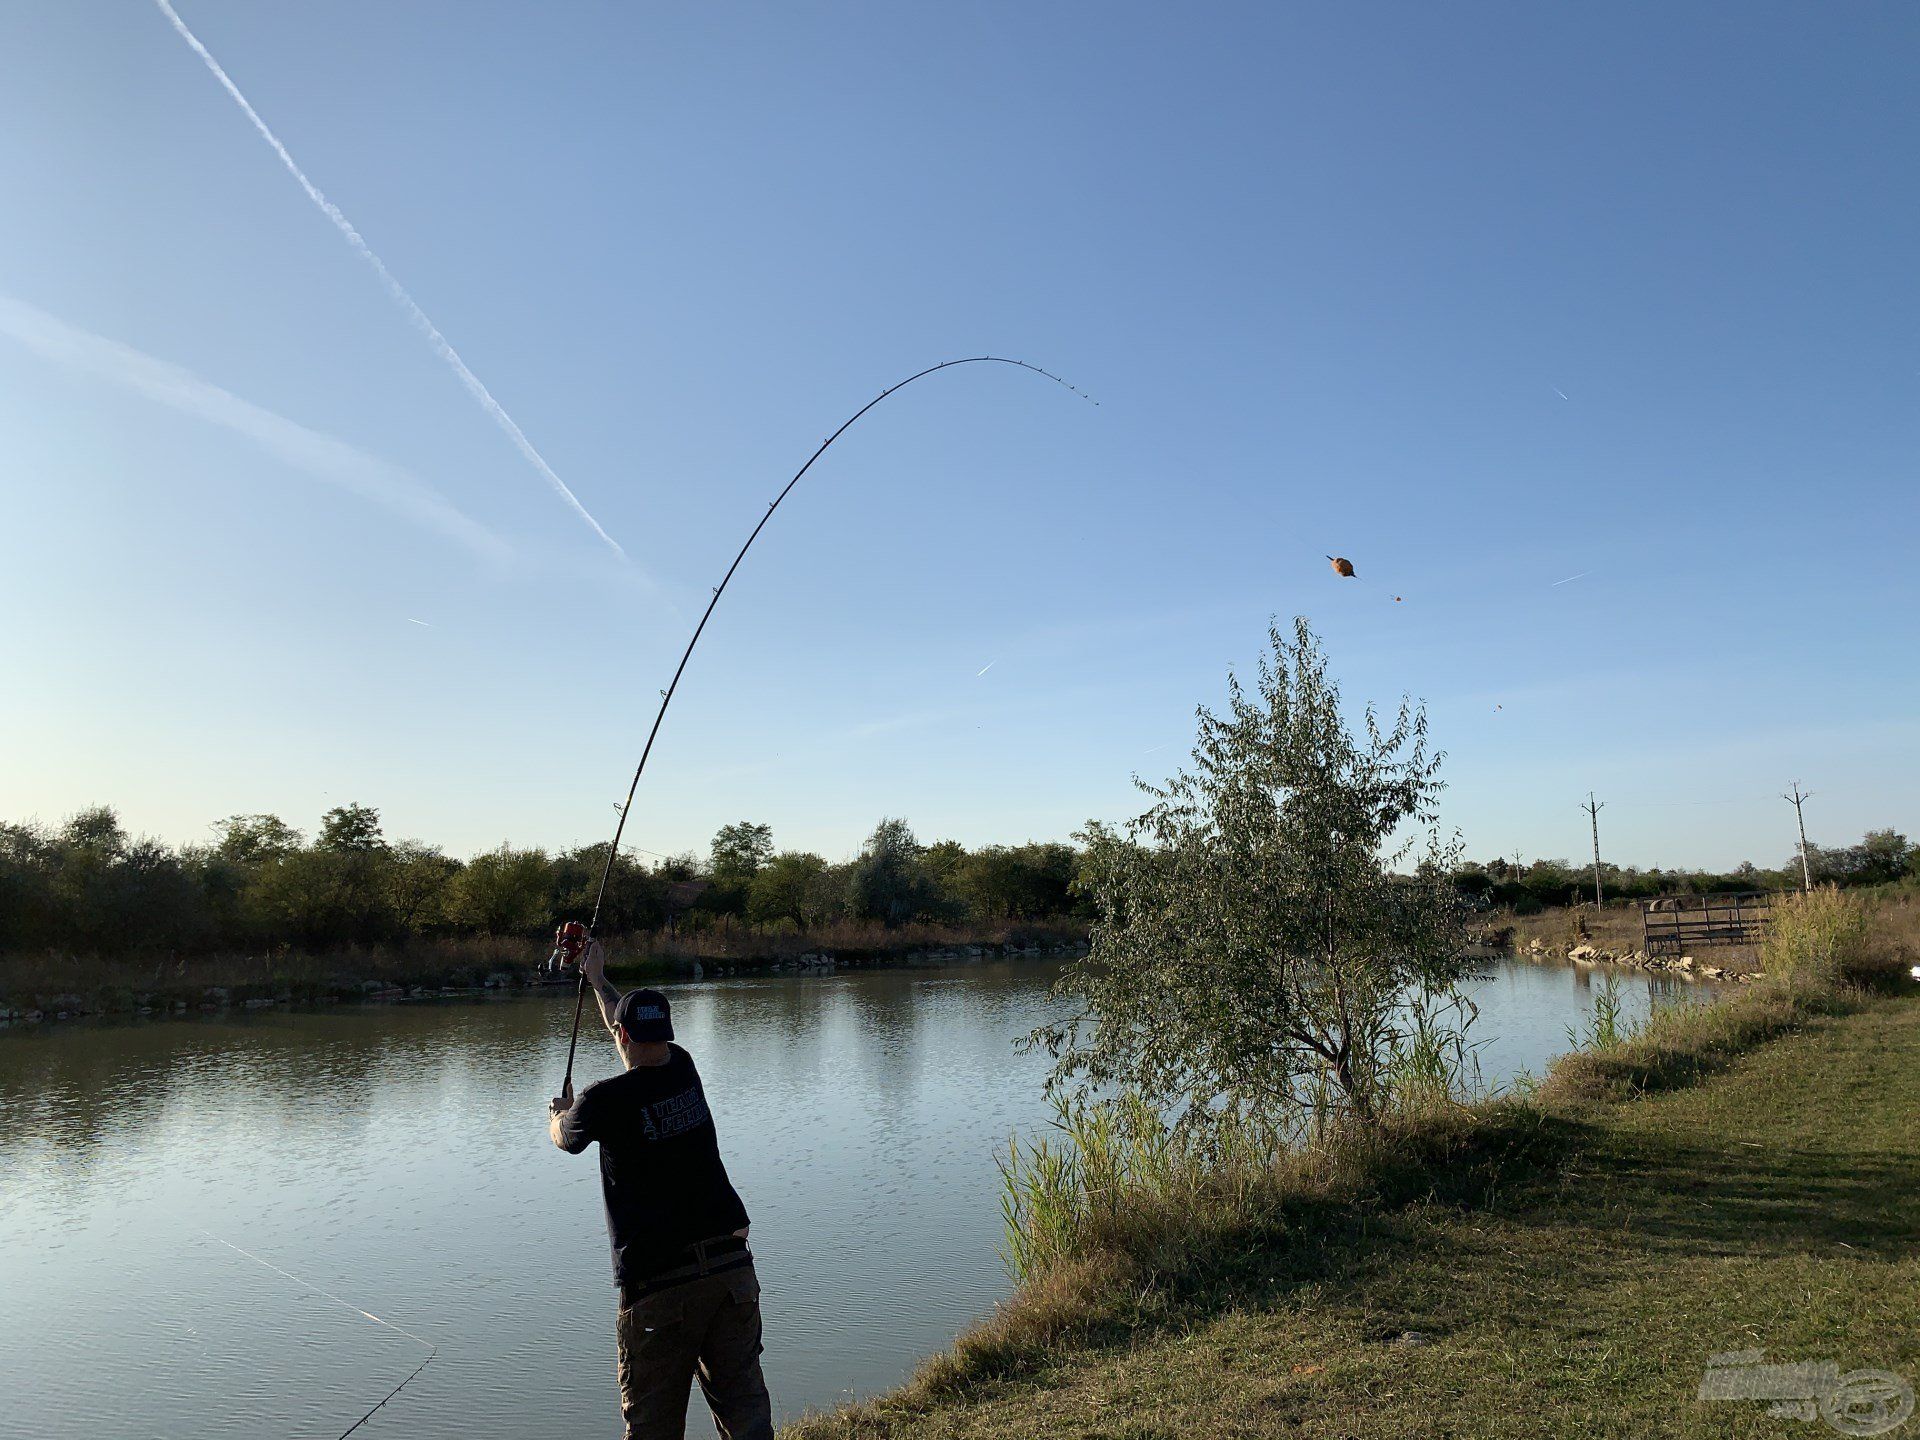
[
  {"x": 1593, "y": 814},
  {"x": 1796, "y": 799}
]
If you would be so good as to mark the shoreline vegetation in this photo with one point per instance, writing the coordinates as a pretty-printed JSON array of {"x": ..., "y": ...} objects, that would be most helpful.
[
  {"x": 56, "y": 987},
  {"x": 1561, "y": 1258},
  {"x": 95, "y": 921}
]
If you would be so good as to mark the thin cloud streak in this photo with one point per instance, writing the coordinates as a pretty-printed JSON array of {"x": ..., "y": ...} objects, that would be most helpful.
[
  {"x": 891, "y": 724},
  {"x": 394, "y": 288},
  {"x": 320, "y": 456}
]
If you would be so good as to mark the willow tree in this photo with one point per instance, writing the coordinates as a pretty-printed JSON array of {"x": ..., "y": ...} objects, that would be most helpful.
[{"x": 1269, "y": 932}]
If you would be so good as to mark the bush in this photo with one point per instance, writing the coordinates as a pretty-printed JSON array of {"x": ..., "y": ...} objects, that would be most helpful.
[
  {"x": 1258, "y": 936},
  {"x": 504, "y": 892},
  {"x": 1814, "y": 936}
]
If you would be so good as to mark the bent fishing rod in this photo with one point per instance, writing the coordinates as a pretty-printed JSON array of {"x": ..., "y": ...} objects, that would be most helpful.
[{"x": 573, "y": 938}]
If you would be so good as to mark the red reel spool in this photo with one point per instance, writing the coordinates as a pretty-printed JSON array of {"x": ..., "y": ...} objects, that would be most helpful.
[{"x": 569, "y": 942}]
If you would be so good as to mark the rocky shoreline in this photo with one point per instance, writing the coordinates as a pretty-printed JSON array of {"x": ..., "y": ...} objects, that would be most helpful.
[
  {"x": 1685, "y": 966},
  {"x": 184, "y": 1001}
]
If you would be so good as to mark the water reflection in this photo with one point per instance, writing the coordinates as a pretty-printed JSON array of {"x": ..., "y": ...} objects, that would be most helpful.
[{"x": 397, "y": 1157}]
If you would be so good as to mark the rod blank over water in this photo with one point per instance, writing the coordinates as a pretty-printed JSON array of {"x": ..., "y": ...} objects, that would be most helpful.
[{"x": 666, "y": 695}]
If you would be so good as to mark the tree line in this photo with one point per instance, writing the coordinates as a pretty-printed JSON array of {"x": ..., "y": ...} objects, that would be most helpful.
[
  {"x": 261, "y": 884},
  {"x": 1881, "y": 857},
  {"x": 88, "y": 885}
]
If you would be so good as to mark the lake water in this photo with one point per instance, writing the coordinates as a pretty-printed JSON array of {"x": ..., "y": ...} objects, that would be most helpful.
[{"x": 396, "y": 1158}]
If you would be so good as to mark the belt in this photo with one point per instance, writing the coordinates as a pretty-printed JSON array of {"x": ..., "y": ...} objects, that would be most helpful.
[{"x": 703, "y": 1257}]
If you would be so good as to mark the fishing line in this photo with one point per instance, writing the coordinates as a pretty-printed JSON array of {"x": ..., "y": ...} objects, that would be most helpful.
[
  {"x": 666, "y": 695},
  {"x": 432, "y": 1349}
]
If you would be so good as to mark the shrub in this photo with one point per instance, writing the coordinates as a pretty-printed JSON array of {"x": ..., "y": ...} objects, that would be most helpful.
[
  {"x": 1814, "y": 936},
  {"x": 1257, "y": 941}
]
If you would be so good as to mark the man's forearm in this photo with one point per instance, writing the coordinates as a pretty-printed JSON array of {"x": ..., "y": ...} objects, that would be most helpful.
[{"x": 608, "y": 998}]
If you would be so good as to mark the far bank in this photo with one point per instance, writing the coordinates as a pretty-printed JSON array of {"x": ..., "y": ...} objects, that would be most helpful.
[{"x": 49, "y": 987}]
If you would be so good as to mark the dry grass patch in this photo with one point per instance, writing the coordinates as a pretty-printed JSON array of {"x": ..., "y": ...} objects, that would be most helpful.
[{"x": 1614, "y": 927}]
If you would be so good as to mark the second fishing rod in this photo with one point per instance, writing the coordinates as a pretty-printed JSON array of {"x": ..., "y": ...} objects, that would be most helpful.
[{"x": 572, "y": 938}]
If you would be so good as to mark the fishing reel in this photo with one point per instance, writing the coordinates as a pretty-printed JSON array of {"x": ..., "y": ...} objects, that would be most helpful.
[{"x": 569, "y": 944}]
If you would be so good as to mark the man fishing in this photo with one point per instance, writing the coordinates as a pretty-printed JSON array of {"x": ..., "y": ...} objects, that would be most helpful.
[
  {"x": 679, "y": 1231},
  {"x": 689, "y": 1299}
]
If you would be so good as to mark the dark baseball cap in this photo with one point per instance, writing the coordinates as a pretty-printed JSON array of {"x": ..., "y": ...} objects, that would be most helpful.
[{"x": 644, "y": 1015}]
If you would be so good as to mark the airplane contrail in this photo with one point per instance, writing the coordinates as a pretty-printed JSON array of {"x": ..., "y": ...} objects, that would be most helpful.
[
  {"x": 1569, "y": 580},
  {"x": 986, "y": 667},
  {"x": 394, "y": 288},
  {"x": 426, "y": 623},
  {"x": 178, "y": 388}
]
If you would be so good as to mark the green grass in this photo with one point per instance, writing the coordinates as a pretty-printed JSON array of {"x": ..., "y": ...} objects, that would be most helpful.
[{"x": 1749, "y": 1180}]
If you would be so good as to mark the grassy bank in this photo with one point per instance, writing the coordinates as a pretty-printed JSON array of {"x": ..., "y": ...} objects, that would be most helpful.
[
  {"x": 48, "y": 985},
  {"x": 1559, "y": 1263}
]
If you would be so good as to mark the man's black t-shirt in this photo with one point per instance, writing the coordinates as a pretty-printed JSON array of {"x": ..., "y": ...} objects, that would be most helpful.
[{"x": 659, "y": 1164}]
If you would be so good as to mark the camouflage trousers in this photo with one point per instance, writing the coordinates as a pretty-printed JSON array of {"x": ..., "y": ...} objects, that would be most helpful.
[{"x": 707, "y": 1328}]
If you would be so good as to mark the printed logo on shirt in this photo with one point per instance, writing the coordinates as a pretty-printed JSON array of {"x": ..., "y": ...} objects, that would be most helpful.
[{"x": 675, "y": 1115}]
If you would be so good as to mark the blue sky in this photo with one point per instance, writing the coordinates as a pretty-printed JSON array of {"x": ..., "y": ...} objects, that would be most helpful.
[{"x": 1329, "y": 271}]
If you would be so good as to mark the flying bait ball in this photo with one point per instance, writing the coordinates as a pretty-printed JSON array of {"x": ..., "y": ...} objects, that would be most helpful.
[{"x": 1341, "y": 566}]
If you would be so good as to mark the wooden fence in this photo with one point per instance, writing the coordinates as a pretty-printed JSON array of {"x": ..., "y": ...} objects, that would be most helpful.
[{"x": 1684, "y": 923}]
